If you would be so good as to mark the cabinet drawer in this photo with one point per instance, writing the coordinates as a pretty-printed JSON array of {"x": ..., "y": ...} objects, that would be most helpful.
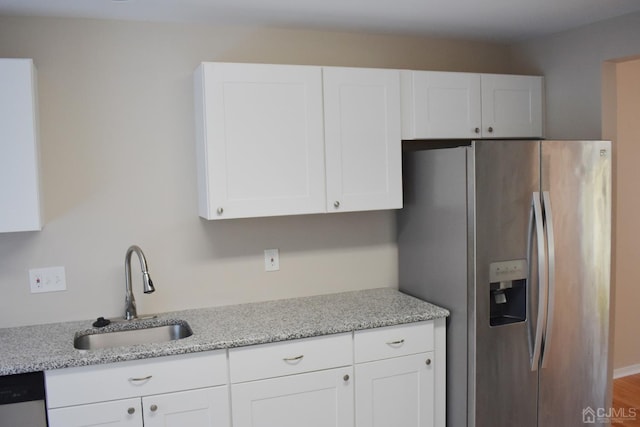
[
  {"x": 73, "y": 386},
  {"x": 290, "y": 357},
  {"x": 393, "y": 341},
  {"x": 120, "y": 413}
]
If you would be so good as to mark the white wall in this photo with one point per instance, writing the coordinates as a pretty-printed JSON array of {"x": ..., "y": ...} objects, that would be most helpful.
[
  {"x": 118, "y": 162},
  {"x": 571, "y": 62}
]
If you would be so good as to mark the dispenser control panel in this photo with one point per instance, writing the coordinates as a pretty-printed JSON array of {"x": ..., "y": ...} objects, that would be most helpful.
[{"x": 504, "y": 271}]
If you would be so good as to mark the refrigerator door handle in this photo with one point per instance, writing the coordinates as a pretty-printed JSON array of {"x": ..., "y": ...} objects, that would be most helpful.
[
  {"x": 536, "y": 224},
  {"x": 551, "y": 252}
]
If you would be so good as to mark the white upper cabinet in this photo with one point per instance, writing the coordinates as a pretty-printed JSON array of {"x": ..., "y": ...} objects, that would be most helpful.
[
  {"x": 262, "y": 131},
  {"x": 290, "y": 139},
  {"x": 362, "y": 139},
  {"x": 19, "y": 169},
  {"x": 511, "y": 106},
  {"x": 466, "y": 105},
  {"x": 260, "y": 143},
  {"x": 440, "y": 105}
]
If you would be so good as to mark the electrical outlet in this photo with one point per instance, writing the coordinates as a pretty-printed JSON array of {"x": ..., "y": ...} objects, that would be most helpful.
[
  {"x": 50, "y": 279},
  {"x": 271, "y": 260}
]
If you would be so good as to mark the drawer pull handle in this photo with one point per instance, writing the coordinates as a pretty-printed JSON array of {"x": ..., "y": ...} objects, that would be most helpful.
[
  {"x": 135, "y": 380},
  {"x": 346, "y": 377},
  {"x": 131, "y": 411},
  {"x": 153, "y": 408},
  {"x": 396, "y": 342},
  {"x": 293, "y": 359},
  {"x": 428, "y": 362}
]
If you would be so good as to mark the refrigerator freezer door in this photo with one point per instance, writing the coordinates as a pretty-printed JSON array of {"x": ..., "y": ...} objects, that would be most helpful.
[
  {"x": 574, "y": 376},
  {"x": 501, "y": 383}
]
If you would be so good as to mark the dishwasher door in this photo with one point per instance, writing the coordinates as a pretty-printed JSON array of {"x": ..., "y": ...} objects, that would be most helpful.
[{"x": 22, "y": 400}]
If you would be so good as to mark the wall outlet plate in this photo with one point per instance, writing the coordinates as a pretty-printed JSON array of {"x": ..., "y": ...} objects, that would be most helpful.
[
  {"x": 271, "y": 260},
  {"x": 50, "y": 279}
]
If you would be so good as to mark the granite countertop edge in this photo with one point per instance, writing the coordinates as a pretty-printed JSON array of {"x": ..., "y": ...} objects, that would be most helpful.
[{"x": 50, "y": 346}]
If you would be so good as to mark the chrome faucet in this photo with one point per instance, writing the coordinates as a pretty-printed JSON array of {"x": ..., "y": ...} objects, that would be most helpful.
[{"x": 130, "y": 311}]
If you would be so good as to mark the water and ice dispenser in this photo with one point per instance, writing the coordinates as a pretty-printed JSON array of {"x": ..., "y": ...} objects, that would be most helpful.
[{"x": 508, "y": 292}]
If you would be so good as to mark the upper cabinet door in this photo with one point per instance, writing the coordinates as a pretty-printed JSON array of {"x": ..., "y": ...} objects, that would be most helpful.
[
  {"x": 440, "y": 105},
  {"x": 362, "y": 139},
  {"x": 259, "y": 140},
  {"x": 511, "y": 106},
  {"x": 19, "y": 170}
]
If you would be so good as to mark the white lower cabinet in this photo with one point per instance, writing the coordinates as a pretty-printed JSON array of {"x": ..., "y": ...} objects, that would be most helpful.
[
  {"x": 400, "y": 375},
  {"x": 396, "y": 392},
  {"x": 173, "y": 391},
  {"x": 314, "y": 399},
  {"x": 198, "y": 408},
  {"x": 119, "y": 413},
  {"x": 306, "y": 382},
  {"x": 383, "y": 377},
  {"x": 195, "y": 408}
]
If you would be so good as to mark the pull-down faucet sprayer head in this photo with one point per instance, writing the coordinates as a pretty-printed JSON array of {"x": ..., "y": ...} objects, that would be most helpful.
[{"x": 148, "y": 283}]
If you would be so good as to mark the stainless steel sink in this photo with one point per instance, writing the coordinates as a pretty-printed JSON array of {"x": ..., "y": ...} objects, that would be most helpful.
[{"x": 143, "y": 335}]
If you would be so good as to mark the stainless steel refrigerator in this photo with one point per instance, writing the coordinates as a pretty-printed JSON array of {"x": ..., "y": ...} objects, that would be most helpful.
[{"x": 514, "y": 237}]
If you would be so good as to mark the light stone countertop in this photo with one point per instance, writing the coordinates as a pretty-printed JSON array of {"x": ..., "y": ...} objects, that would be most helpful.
[{"x": 50, "y": 346}]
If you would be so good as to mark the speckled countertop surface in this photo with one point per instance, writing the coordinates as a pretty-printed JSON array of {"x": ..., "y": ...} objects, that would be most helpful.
[{"x": 44, "y": 347}]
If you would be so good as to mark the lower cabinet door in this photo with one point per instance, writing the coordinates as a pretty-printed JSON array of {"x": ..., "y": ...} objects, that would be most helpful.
[
  {"x": 396, "y": 392},
  {"x": 208, "y": 407},
  {"x": 118, "y": 413},
  {"x": 314, "y": 399}
]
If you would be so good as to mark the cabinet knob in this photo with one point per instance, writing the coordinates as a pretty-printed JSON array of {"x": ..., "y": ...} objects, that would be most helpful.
[
  {"x": 477, "y": 130},
  {"x": 336, "y": 204},
  {"x": 153, "y": 408},
  {"x": 490, "y": 129},
  {"x": 346, "y": 377},
  {"x": 220, "y": 211},
  {"x": 428, "y": 362},
  {"x": 131, "y": 411}
]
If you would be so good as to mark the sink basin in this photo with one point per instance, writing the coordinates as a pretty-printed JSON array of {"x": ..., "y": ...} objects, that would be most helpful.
[{"x": 125, "y": 337}]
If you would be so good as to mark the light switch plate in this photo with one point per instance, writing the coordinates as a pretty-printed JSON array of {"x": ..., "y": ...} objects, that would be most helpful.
[
  {"x": 50, "y": 279},
  {"x": 271, "y": 260}
]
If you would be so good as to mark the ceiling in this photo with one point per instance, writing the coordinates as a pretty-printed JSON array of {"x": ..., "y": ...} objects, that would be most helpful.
[{"x": 491, "y": 20}]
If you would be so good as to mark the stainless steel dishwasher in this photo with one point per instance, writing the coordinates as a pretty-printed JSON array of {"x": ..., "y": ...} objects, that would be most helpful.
[{"x": 22, "y": 400}]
